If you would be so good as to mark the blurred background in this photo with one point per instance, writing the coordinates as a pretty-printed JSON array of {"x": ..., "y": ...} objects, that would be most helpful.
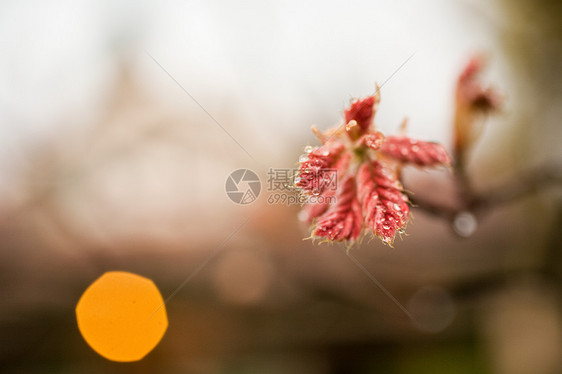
[{"x": 106, "y": 163}]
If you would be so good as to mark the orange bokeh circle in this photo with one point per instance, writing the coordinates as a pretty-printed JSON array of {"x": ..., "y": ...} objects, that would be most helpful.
[{"x": 122, "y": 316}]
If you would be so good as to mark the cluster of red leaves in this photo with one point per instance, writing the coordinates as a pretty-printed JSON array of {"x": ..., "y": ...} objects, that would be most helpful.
[{"x": 368, "y": 195}]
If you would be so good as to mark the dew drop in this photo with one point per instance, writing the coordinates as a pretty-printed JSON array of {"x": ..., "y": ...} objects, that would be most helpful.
[
  {"x": 308, "y": 149},
  {"x": 415, "y": 148},
  {"x": 465, "y": 224},
  {"x": 303, "y": 158}
]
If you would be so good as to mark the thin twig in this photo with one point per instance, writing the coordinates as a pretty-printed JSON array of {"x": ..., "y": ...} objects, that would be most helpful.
[
  {"x": 531, "y": 181},
  {"x": 441, "y": 211},
  {"x": 528, "y": 182}
]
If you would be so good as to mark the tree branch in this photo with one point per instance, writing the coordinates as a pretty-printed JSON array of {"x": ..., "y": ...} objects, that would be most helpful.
[{"x": 531, "y": 181}]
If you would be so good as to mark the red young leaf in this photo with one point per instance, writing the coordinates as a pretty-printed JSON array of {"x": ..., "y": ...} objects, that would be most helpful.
[
  {"x": 415, "y": 152},
  {"x": 317, "y": 206},
  {"x": 314, "y": 209},
  {"x": 384, "y": 203},
  {"x": 314, "y": 171},
  {"x": 344, "y": 220},
  {"x": 362, "y": 111}
]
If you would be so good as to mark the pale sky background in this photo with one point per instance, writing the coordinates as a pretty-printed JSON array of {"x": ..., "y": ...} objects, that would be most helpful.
[{"x": 283, "y": 65}]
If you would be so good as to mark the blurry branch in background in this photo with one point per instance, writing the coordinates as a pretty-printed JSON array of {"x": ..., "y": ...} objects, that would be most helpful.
[
  {"x": 478, "y": 203},
  {"x": 474, "y": 103}
]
